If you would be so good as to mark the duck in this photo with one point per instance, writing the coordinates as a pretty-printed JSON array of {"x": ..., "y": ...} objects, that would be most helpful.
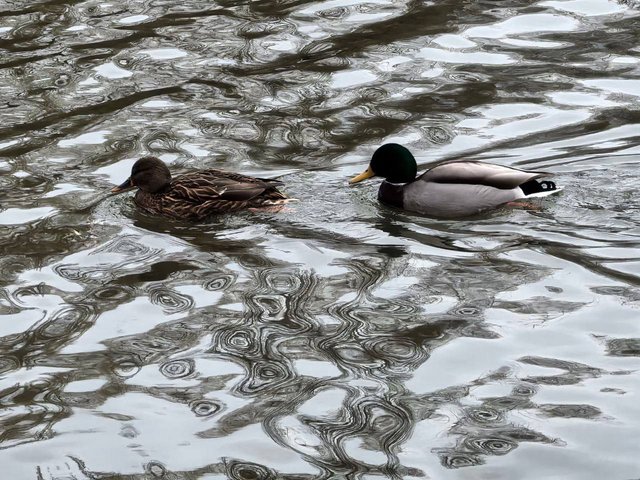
[
  {"x": 199, "y": 194},
  {"x": 453, "y": 189}
]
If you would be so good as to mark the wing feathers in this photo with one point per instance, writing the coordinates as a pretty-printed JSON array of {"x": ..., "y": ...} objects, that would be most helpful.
[
  {"x": 211, "y": 185},
  {"x": 200, "y": 194},
  {"x": 479, "y": 173}
]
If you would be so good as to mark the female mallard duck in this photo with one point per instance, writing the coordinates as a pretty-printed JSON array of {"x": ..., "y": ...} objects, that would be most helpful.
[
  {"x": 454, "y": 189},
  {"x": 197, "y": 195}
]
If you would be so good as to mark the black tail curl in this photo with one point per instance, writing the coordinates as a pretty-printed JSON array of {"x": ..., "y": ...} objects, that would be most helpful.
[{"x": 534, "y": 186}]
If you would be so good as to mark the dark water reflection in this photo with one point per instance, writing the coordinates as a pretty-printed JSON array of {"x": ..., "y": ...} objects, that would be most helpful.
[{"x": 339, "y": 339}]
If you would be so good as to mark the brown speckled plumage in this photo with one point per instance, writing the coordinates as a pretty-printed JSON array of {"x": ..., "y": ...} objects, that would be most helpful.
[{"x": 197, "y": 195}]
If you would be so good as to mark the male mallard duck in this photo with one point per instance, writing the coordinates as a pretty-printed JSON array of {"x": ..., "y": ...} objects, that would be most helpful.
[
  {"x": 197, "y": 195},
  {"x": 453, "y": 189}
]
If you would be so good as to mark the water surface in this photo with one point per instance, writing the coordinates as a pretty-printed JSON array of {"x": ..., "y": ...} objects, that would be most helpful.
[{"x": 341, "y": 338}]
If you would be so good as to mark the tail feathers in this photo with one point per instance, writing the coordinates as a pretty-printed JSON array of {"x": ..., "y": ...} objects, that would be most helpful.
[
  {"x": 280, "y": 201},
  {"x": 275, "y": 194},
  {"x": 272, "y": 193},
  {"x": 272, "y": 182},
  {"x": 535, "y": 188}
]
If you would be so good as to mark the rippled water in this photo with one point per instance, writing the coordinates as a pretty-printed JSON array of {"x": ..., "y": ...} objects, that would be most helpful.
[{"x": 341, "y": 338}]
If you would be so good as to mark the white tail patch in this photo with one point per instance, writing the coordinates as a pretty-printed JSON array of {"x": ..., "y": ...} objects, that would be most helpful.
[
  {"x": 280, "y": 201},
  {"x": 545, "y": 193}
]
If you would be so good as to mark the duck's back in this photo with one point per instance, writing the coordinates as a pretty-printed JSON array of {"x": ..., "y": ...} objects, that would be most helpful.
[
  {"x": 458, "y": 189},
  {"x": 199, "y": 194},
  {"x": 479, "y": 173},
  {"x": 208, "y": 185}
]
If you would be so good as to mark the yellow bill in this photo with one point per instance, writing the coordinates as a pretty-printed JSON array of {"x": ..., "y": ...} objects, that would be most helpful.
[{"x": 368, "y": 173}]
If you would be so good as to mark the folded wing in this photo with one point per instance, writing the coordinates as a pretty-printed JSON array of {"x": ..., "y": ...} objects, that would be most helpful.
[
  {"x": 214, "y": 185},
  {"x": 479, "y": 173}
]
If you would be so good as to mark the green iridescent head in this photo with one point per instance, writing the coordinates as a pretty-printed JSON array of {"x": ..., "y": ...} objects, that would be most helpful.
[{"x": 393, "y": 162}]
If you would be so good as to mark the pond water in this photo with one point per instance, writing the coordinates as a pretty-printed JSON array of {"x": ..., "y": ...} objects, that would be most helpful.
[{"x": 339, "y": 338}]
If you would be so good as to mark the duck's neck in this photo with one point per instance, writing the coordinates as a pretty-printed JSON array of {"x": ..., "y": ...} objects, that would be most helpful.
[
  {"x": 391, "y": 193},
  {"x": 403, "y": 172}
]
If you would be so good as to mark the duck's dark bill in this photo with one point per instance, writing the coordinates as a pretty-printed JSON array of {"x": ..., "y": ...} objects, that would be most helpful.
[
  {"x": 368, "y": 173},
  {"x": 126, "y": 185}
]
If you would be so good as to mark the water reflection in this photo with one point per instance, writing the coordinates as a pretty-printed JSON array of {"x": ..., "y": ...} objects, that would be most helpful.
[
  {"x": 298, "y": 334},
  {"x": 339, "y": 338}
]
